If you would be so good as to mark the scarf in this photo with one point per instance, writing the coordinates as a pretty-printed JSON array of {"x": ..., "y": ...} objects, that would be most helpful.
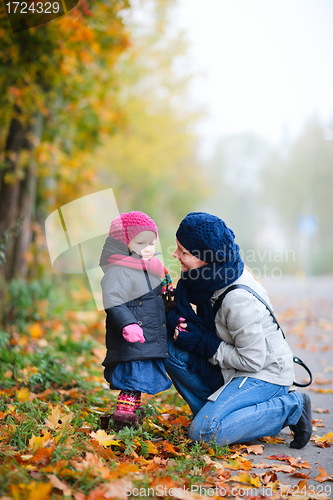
[
  {"x": 154, "y": 266},
  {"x": 197, "y": 287}
]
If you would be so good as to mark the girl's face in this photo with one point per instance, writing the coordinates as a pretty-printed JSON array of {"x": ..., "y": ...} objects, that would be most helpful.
[
  {"x": 143, "y": 244},
  {"x": 187, "y": 260}
]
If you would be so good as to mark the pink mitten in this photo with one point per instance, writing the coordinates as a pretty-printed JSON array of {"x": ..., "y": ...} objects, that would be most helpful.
[
  {"x": 180, "y": 328},
  {"x": 133, "y": 333}
]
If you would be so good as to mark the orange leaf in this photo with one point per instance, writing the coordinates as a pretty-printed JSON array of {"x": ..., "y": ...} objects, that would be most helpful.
[
  {"x": 169, "y": 448},
  {"x": 122, "y": 470},
  {"x": 42, "y": 455},
  {"x": 323, "y": 476},
  {"x": 35, "y": 330},
  {"x": 183, "y": 421},
  {"x": 165, "y": 482}
]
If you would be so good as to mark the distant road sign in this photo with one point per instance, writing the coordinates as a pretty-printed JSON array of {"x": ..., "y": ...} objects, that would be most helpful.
[{"x": 307, "y": 224}]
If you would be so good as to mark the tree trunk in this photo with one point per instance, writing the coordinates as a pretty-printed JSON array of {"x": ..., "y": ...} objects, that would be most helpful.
[
  {"x": 27, "y": 203},
  {"x": 18, "y": 198},
  {"x": 10, "y": 187}
]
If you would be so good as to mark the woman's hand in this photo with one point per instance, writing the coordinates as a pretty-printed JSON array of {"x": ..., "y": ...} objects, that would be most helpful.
[
  {"x": 181, "y": 327},
  {"x": 192, "y": 339}
]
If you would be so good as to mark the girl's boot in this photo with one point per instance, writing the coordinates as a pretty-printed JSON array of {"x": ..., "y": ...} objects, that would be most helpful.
[
  {"x": 124, "y": 415},
  {"x": 139, "y": 410}
]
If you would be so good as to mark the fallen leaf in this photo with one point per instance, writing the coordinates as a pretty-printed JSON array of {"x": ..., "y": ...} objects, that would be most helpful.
[
  {"x": 42, "y": 440},
  {"x": 183, "y": 421},
  {"x": 327, "y": 439},
  {"x": 169, "y": 448},
  {"x": 94, "y": 465},
  {"x": 323, "y": 476},
  {"x": 104, "y": 439},
  {"x": 209, "y": 461},
  {"x": 281, "y": 456},
  {"x": 60, "y": 485},
  {"x": 318, "y": 422},
  {"x": 261, "y": 465},
  {"x": 54, "y": 420},
  {"x": 257, "y": 449},
  {"x": 283, "y": 468},
  {"x": 118, "y": 489},
  {"x": 320, "y": 410},
  {"x": 298, "y": 462},
  {"x": 152, "y": 448},
  {"x": 122, "y": 470},
  {"x": 272, "y": 439},
  {"x": 35, "y": 330},
  {"x": 32, "y": 491},
  {"x": 247, "y": 479},
  {"x": 23, "y": 395}
]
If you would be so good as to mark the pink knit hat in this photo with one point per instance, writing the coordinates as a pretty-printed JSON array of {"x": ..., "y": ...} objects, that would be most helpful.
[{"x": 125, "y": 227}]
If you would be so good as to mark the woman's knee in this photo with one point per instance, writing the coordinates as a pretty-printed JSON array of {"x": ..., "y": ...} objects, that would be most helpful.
[{"x": 201, "y": 429}]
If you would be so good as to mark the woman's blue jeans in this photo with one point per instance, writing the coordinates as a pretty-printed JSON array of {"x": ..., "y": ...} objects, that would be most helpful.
[{"x": 239, "y": 414}]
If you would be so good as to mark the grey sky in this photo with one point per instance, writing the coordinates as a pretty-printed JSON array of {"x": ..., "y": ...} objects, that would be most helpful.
[{"x": 267, "y": 63}]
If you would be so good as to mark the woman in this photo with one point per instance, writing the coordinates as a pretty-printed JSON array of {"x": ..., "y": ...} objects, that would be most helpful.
[{"x": 234, "y": 368}]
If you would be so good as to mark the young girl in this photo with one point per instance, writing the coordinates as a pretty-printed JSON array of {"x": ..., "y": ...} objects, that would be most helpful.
[
  {"x": 136, "y": 337},
  {"x": 229, "y": 362}
]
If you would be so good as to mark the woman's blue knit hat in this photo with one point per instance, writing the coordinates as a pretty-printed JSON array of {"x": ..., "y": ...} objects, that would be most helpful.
[{"x": 207, "y": 237}]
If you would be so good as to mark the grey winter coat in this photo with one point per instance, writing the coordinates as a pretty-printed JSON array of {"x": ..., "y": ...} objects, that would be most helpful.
[{"x": 251, "y": 344}]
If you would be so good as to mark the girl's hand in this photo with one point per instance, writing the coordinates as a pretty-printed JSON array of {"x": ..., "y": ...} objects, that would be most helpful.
[
  {"x": 133, "y": 333},
  {"x": 181, "y": 327}
]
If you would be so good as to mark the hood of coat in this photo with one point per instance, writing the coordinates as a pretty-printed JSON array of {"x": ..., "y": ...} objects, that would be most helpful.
[{"x": 111, "y": 247}]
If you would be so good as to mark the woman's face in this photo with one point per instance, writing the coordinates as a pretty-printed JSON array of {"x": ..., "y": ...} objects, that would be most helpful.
[{"x": 187, "y": 260}]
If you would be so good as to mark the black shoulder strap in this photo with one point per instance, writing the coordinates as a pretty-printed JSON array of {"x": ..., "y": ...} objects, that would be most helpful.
[
  {"x": 217, "y": 306},
  {"x": 219, "y": 300}
]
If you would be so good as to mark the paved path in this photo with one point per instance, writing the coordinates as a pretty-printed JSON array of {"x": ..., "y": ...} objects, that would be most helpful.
[{"x": 304, "y": 308}]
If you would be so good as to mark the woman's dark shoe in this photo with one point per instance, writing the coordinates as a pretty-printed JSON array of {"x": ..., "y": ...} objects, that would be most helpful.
[{"x": 303, "y": 429}]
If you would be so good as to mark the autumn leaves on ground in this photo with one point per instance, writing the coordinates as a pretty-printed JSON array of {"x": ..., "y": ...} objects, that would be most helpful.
[{"x": 51, "y": 442}]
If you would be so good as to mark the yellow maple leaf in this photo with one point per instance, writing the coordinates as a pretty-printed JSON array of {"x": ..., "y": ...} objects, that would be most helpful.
[
  {"x": 328, "y": 438},
  {"x": 103, "y": 438},
  {"x": 23, "y": 394},
  {"x": 151, "y": 448},
  {"x": 246, "y": 478},
  {"x": 58, "y": 420},
  {"x": 38, "y": 441},
  {"x": 32, "y": 491}
]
